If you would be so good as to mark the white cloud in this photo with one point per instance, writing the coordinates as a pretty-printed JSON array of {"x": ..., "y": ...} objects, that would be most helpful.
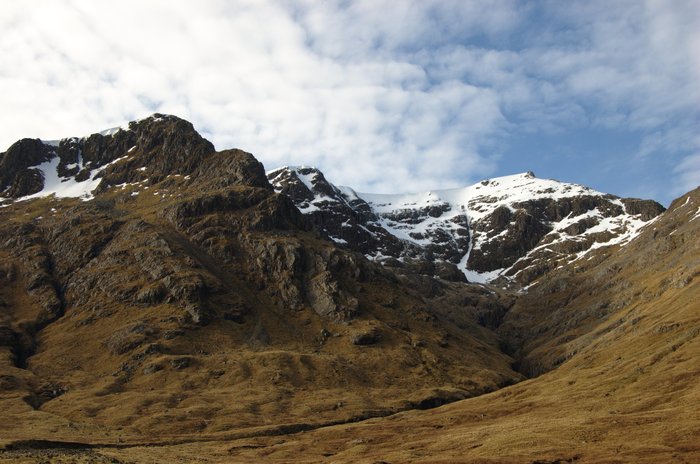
[
  {"x": 382, "y": 95},
  {"x": 688, "y": 173}
]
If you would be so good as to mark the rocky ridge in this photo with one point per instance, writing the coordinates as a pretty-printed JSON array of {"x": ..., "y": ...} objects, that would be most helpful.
[
  {"x": 186, "y": 305},
  {"x": 144, "y": 270},
  {"x": 149, "y": 149},
  {"x": 504, "y": 230},
  {"x": 619, "y": 337}
]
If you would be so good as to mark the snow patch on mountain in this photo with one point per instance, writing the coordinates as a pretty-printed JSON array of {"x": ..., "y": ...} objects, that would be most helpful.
[
  {"x": 467, "y": 226},
  {"x": 67, "y": 187},
  {"x": 72, "y": 185},
  {"x": 62, "y": 187}
]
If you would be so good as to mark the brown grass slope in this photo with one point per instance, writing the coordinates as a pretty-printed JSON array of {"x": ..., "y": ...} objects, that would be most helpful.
[
  {"x": 628, "y": 392},
  {"x": 190, "y": 314},
  {"x": 203, "y": 307}
]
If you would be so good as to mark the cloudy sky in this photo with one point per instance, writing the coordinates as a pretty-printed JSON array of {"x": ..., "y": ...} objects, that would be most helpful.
[{"x": 382, "y": 95}]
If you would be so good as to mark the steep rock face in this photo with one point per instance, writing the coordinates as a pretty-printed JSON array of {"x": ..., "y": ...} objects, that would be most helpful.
[
  {"x": 149, "y": 149},
  {"x": 160, "y": 146},
  {"x": 580, "y": 302},
  {"x": 337, "y": 212},
  {"x": 510, "y": 229},
  {"x": 184, "y": 276},
  {"x": 17, "y": 176}
]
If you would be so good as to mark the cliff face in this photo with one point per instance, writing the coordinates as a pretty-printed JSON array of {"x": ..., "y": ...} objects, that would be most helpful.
[
  {"x": 152, "y": 149},
  {"x": 508, "y": 230}
]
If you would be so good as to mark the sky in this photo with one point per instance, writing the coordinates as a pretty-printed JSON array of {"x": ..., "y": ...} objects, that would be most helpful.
[{"x": 386, "y": 96}]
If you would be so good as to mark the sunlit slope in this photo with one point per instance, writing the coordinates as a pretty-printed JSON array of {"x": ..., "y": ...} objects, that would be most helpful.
[{"x": 628, "y": 393}]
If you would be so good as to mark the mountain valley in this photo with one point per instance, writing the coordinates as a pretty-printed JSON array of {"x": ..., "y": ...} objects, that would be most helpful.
[{"x": 162, "y": 300}]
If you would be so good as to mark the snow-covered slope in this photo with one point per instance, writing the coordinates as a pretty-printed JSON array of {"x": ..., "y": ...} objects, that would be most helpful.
[
  {"x": 80, "y": 166},
  {"x": 513, "y": 228}
]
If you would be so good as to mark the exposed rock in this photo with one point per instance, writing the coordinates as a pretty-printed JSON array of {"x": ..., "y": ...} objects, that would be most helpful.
[
  {"x": 152, "y": 294},
  {"x": 646, "y": 209},
  {"x": 164, "y": 145},
  {"x": 371, "y": 336},
  {"x": 299, "y": 277},
  {"x": 17, "y": 176},
  {"x": 516, "y": 228},
  {"x": 129, "y": 338},
  {"x": 151, "y": 368},
  {"x": 340, "y": 216},
  {"x": 148, "y": 150},
  {"x": 181, "y": 363},
  {"x": 232, "y": 167}
]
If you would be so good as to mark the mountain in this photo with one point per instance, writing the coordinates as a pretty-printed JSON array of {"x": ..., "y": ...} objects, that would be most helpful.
[
  {"x": 628, "y": 327},
  {"x": 504, "y": 230},
  {"x": 81, "y": 166},
  {"x": 162, "y": 300},
  {"x": 182, "y": 295}
]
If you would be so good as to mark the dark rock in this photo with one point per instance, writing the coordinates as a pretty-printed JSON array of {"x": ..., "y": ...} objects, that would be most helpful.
[
  {"x": 167, "y": 145},
  {"x": 152, "y": 294},
  {"x": 46, "y": 392},
  {"x": 450, "y": 272},
  {"x": 171, "y": 334},
  {"x": 233, "y": 167},
  {"x": 181, "y": 363},
  {"x": 17, "y": 177},
  {"x": 129, "y": 338},
  {"x": 369, "y": 337},
  {"x": 647, "y": 209},
  {"x": 347, "y": 220},
  {"x": 151, "y": 368},
  {"x": 522, "y": 232},
  {"x": 581, "y": 226}
]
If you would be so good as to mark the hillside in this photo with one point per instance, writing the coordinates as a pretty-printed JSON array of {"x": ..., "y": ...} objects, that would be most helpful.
[
  {"x": 628, "y": 392},
  {"x": 164, "y": 301},
  {"x": 184, "y": 296}
]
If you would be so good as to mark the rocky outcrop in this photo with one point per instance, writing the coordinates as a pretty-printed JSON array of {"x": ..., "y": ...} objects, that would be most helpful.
[
  {"x": 161, "y": 146},
  {"x": 507, "y": 230},
  {"x": 17, "y": 178},
  {"x": 232, "y": 167},
  {"x": 322, "y": 279},
  {"x": 646, "y": 209},
  {"x": 146, "y": 150},
  {"x": 340, "y": 216}
]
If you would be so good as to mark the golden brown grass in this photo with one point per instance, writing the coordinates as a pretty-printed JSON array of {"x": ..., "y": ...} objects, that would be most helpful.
[{"x": 625, "y": 387}]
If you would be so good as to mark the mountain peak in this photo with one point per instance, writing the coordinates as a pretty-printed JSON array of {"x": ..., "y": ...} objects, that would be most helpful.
[
  {"x": 190, "y": 300},
  {"x": 512, "y": 228},
  {"x": 146, "y": 149}
]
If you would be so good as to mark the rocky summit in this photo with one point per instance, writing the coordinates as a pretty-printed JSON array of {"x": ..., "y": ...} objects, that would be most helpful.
[
  {"x": 501, "y": 230},
  {"x": 162, "y": 300}
]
